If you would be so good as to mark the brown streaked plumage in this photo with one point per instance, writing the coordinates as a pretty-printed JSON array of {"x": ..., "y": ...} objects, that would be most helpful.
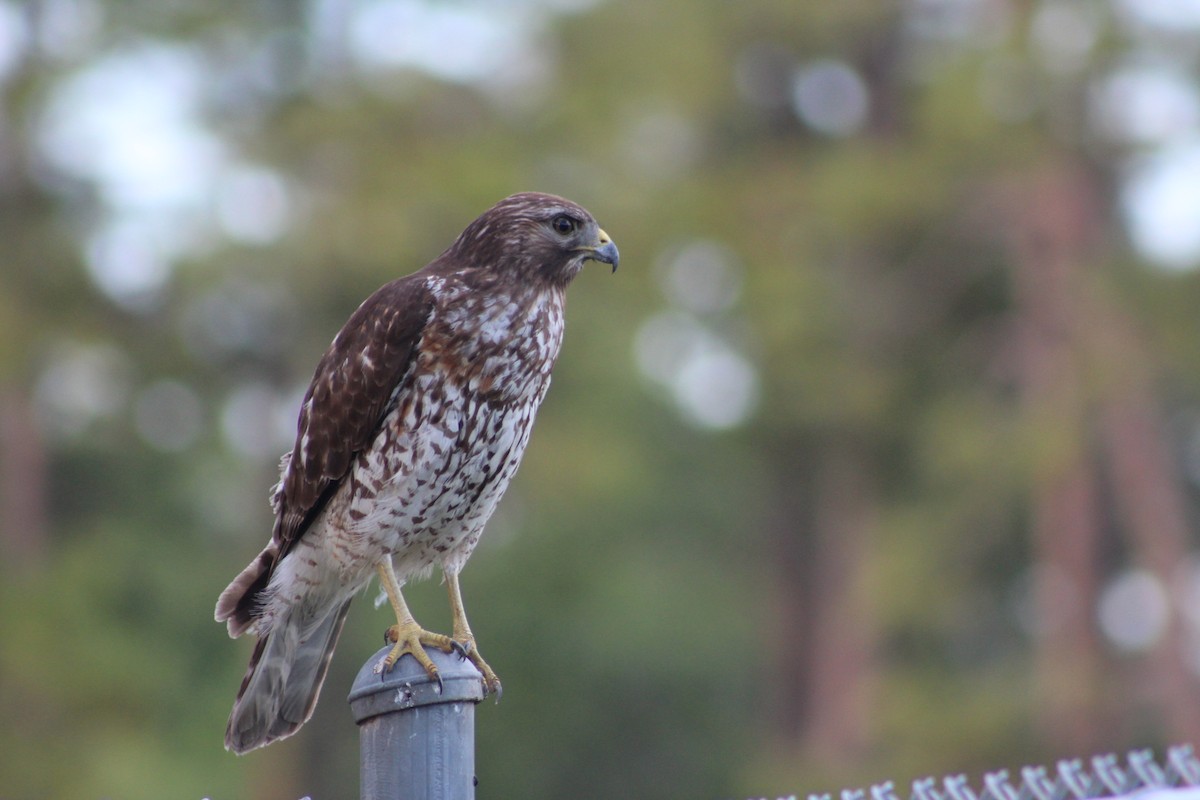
[{"x": 416, "y": 420}]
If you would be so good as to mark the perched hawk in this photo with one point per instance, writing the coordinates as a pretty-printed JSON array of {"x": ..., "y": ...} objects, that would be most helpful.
[{"x": 414, "y": 424}]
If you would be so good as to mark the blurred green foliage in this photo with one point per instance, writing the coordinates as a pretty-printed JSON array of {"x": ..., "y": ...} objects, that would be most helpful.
[{"x": 815, "y": 329}]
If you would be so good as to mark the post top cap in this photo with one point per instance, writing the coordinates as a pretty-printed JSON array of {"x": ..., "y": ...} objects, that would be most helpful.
[{"x": 407, "y": 686}]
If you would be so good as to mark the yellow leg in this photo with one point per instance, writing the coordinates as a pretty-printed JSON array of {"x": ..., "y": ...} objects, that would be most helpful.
[
  {"x": 462, "y": 634},
  {"x": 407, "y": 635}
]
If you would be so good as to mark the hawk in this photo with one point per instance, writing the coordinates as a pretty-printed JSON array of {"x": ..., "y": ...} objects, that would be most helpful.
[{"x": 414, "y": 424}]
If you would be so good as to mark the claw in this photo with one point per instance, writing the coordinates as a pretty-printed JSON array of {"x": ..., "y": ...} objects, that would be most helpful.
[
  {"x": 491, "y": 682},
  {"x": 462, "y": 648},
  {"x": 411, "y": 640}
]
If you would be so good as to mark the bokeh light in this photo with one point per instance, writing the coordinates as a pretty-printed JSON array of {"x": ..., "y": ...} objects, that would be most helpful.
[
  {"x": 1134, "y": 610},
  {"x": 168, "y": 415},
  {"x": 830, "y": 97}
]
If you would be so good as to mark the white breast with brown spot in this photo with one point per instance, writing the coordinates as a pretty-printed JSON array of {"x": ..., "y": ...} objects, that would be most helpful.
[{"x": 454, "y": 439}]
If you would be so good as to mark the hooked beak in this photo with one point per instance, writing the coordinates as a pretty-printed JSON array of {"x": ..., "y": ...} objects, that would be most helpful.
[{"x": 605, "y": 250}]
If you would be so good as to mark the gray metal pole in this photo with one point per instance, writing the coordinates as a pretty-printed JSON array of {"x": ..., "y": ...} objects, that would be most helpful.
[{"x": 417, "y": 739}]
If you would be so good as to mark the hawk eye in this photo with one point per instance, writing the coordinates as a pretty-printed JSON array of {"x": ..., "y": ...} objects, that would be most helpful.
[{"x": 563, "y": 224}]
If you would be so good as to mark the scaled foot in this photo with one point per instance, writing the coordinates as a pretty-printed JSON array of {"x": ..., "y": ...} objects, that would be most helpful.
[
  {"x": 491, "y": 683},
  {"x": 411, "y": 639}
]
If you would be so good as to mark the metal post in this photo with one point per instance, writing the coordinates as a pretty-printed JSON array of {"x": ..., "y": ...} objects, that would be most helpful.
[{"x": 417, "y": 739}]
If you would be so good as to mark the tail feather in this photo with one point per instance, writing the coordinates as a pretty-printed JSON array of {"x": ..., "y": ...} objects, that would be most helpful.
[
  {"x": 239, "y": 604},
  {"x": 284, "y": 679}
]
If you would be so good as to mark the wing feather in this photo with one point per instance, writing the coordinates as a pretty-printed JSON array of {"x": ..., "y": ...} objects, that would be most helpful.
[{"x": 352, "y": 390}]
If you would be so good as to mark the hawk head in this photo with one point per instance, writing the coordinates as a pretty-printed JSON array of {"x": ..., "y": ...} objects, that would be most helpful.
[{"x": 539, "y": 237}]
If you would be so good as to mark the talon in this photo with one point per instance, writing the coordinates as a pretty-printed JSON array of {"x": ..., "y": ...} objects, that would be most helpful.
[
  {"x": 491, "y": 683},
  {"x": 464, "y": 637},
  {"x": 461, "y": 648},
  {"x": 411, "y": 639}
]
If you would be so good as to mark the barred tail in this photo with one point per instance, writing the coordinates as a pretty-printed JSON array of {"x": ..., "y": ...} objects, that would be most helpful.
[{"x": 285, "y": 675}]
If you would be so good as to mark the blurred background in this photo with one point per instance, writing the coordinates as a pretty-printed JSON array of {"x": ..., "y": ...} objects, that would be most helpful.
[{"x": 878, "y": 458}]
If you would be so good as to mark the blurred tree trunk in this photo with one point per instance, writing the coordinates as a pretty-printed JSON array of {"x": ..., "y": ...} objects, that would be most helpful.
[
  {"x": 822, "y": 630},
  {"x": 1069, "y": 333},
  {"x": 792, "y": 557},
  {"x": 22, "y": 482},
  {"x": 279, "y": 772},
  {"x": 1068, "y": 667},
  {"x": 1153, "y": 510},
  {"x": 842, "y": 646},
  {"x": 1053, "y": 221},
  {"x": 821, "y": 545}
]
